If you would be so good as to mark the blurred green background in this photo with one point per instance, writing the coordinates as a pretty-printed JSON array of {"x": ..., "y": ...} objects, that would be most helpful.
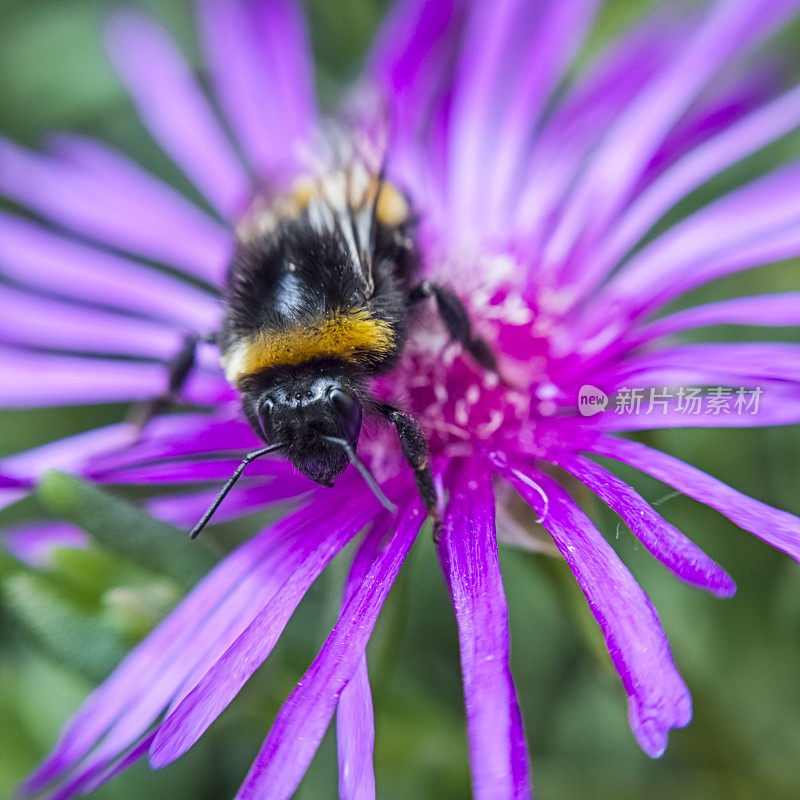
[{"x": 60, "y": 633}]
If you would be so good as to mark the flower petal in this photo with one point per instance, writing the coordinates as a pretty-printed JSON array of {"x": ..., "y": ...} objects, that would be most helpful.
[
  {"x": 512, "y": 55},
  {"x": 727, "y": 30},
  {"x": 178, "y": 436},
  {"x": 663, "y": 540},
  {"x": 468, "y": 553},
  {"x": 774, "y": 408},
  {"x": 589, "y": 108},
  {"x": 778, "y": 245},
  {"x": 532, "y": 64},
  {"x": 93, "y": 778},
  {"x": 260, "y": 62},
  {"x": 12, "y": 489},
  {"x": 300, "y": 567},
  {"x": 355, "y": 720},
  {"x": 107, "y": 198},
  {"x": 355, "y": 737},
  {"x": 410, "y": 64},
  {"x": 749, "y": 362},
  {"x": 175, "y": 110},
  {"x": 35, "y": 257},
  {"x": 71, "y": 453},
  {"x": 75, "y": 380},
  {"x": 27, "y": 320},
  {"x": 191, "y": 637},
  {"x": 34, "y": 542},
  {"x": 183, "y": 510},
  {"x": 775, "y": 527},
  {"x": 765, "y": 310},
  {"x": 735, "y": 220},
  {"x": 623, "y": 307},
  {"x": 737, "y": 141},
  {"x": 658, "y": 699},
  {"x": 301, "y": 723},
  {"x": 476, "y": 99},
  {"x": 194, "y": 470},
  {"x": 751, "y": 226}
]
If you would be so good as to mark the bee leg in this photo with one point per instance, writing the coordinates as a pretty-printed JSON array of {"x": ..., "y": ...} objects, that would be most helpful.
[
  {"x": 456, "y": 320},
  {"x": 179, "y": 370},
  {"x": 415, "y": 452}
]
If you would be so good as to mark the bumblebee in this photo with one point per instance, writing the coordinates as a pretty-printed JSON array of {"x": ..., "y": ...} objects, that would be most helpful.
[{"x": 319, "y": 298}]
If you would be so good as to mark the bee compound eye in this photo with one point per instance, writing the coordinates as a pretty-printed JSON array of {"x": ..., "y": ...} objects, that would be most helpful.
[
  {"x": 265, "y": 417},
  {"x": 348, "y": 412}
]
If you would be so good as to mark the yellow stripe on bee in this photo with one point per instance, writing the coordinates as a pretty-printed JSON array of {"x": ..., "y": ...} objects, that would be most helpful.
[{"x": 354, "y": 336}]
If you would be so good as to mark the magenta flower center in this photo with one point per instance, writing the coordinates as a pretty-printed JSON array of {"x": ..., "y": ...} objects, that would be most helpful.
[{"x": 464, "y": 409}]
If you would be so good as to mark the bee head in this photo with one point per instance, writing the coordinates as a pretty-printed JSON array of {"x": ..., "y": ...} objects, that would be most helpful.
[{"x": 306, "y": 412}]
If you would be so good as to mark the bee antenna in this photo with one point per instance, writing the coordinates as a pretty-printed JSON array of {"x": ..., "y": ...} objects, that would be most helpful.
[
  {"x": 365, "y": 472},
  {"x": 230, "y": 484}
]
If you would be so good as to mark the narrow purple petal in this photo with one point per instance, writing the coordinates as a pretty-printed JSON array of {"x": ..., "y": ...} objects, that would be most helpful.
[
  {"x": 755, "y": 225},
  {"x": 355, "y": 719},
  {"x": 411, "y": 58},
  {"x": 737, "y": 141},
  {"x": 528, "y": 84},
  {"x": 74, "y": 380},
  {"x": 658, "y": 699},
  {"x": 183, "y": 510},
  {"x": 664, "y": 541},
  {"x": 625, "y": 303},
  {"x": 476, "y": 104},
  {"x": 260, "y": 62},
  {"x": 209, "y": 618},
  {"x": 106, "y": 197},
  {"x": 27, "y": 320},
  {"x": 12, "y": 489},
  {"x": 195, "y": 470},
  {"x": 410, "y": 33},
  {"x": 729, "y": 28},
  {"x": 739, "y": 361},
  {"x": 355, "y": 737},
  {"x": 98, "y": 769},
  {"x": 294, "y": 575},
  {"x": 716, "y": 111},
  {"x": 766, "y": 310},
  {"x": 180, "y": 435},
  {"x": 587, "y": 111},
  {"x": 38, "y": 258},
  {"x": 775, "y": 527},
  {"x": 175, "y": 110},
  {"x": 34, "y": 543},
  {"x": 10, "y": 496},
  {"x": 253, "y": 594},
  {"x": 96, "y": 779},
  {"x": 71, "y": 453},
  {"x": 730, "y": 223},
  {"x": 411, "y": 66},
  {"x": 468, "y": 553},
  {"x": 775, "y": 407},
  {"x": 301, "y": 723}
]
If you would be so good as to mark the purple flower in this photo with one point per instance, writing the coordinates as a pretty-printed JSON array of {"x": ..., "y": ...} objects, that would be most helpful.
[{"x": 536, "y": 190}]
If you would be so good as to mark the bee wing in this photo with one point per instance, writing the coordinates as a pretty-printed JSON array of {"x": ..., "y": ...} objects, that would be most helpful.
[{"x": 344, "y": 203}]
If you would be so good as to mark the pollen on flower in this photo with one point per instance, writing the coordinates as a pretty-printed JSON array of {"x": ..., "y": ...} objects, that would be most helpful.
[{"x": 464, "y": 408}]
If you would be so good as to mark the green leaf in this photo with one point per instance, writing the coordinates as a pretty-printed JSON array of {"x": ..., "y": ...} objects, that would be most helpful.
[
  {"x": 125, "y": 529},
  {"x": 9, "y": 564},
  {"x": 68, "y": 632}
]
